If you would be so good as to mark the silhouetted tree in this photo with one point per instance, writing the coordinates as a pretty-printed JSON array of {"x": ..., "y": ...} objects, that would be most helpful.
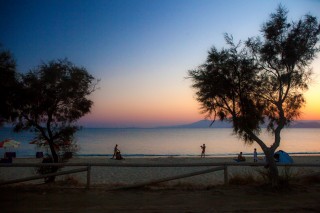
[
  {"x": 54, "y": 96},
  {"x": 260, "y": 82},
  {"x": 8, "y": 86}
]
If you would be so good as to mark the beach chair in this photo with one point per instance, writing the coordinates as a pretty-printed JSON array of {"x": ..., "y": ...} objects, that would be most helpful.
[{"x": 39, "y": 154}]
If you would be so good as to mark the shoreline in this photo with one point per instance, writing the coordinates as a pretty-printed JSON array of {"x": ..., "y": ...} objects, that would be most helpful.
[{"x": 146, "y": 156}]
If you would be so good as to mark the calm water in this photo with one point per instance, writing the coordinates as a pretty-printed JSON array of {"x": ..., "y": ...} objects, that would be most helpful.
[{"x": 171, "y": 142}]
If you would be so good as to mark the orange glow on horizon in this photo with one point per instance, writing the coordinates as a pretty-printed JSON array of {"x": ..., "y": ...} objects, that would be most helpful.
[
  {"x": 138, "y": 104},
  {"x": 312, "y": 109}
]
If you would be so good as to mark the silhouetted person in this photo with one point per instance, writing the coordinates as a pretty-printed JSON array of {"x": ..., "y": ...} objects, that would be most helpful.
[
  {"x": 119, "y": 156},
  {"x": 241, "y": 158},
  {"x": 115, "y": 150},
  {"x": 203, "y": 152},
  {"x": 255, "y": 155}
]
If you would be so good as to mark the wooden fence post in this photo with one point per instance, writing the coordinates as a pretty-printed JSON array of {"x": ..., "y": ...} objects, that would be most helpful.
[
  {"x": 226, "y": 178},
  {"x": 88, "y": 176}
]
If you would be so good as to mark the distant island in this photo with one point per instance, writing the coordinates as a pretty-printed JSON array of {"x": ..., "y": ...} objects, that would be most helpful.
[{"x": 223, "y": 124}]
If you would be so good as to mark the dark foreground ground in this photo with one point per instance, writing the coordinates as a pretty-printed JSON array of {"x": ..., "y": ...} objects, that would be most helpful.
[{"x": 297, "y": 198}]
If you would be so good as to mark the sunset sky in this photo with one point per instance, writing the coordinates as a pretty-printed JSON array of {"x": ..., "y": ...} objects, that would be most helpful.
[{"x": 140, "y": 49}]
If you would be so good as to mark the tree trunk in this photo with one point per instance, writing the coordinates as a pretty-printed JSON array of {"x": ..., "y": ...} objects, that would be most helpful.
[
  {"x": 55, "y": 158},
  {"x": 273, "y": 169},
  {"x": 53, "y": 152},
  {"x": 273, "y": 173}
]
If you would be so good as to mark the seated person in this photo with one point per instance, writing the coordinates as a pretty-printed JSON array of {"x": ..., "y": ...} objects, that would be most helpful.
[
  {"x": 240, "y": 158},
  {"x": 118, "y": 155}
]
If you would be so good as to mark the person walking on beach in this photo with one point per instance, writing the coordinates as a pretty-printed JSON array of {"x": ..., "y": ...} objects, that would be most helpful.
[
  {"x": 115, "y": 150},
  {"x": 203, "y": 152},
  {"x": 255, "y": 155}
]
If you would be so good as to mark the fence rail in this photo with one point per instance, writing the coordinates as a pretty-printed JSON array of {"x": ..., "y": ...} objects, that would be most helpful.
[
  {"x": 44, "y": 176},
  {"x": 153, "y": 165},
  {"x": 87, "y": 168}
]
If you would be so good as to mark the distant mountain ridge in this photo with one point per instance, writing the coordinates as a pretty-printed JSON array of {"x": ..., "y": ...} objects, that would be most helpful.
[{"x": 223, "y": 124}]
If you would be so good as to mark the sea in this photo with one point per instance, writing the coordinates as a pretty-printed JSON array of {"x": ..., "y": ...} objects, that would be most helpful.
[{"x": 170, "y": 142}]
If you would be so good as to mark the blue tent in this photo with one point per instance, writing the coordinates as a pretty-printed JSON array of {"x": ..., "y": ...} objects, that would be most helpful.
[{"x": 282, "y": 157}]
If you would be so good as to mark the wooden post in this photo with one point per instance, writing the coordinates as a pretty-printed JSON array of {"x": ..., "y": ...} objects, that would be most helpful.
[
  {"x": 88, "y": 176},
  {"x": 226, "y": 179}
]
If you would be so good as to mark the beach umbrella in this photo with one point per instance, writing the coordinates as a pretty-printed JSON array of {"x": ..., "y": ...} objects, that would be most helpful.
[{"x": 9, "y": 143}]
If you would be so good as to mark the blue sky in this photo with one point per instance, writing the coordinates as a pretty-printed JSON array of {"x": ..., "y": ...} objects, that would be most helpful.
[{"x": 140, "y": 49}]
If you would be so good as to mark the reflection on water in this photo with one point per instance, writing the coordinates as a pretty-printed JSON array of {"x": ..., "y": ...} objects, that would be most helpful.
[
  {"x": 174, "y": 142},
  {"x": 188, "y": 141}
]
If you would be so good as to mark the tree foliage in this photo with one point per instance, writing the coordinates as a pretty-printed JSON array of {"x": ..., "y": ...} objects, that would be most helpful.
[
  {"x": 260, "y": 81},
  {"x": 47, "y": 100},
  {"x": 8, "y": 86},
  {"x": 225, "y": 87},
  {"x": 53, "y": 97}
]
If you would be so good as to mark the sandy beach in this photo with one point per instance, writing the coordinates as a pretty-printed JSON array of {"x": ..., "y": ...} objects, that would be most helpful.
[
  {"x": 120, "y": 176},
  {"x": 203, "y": 193}
]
